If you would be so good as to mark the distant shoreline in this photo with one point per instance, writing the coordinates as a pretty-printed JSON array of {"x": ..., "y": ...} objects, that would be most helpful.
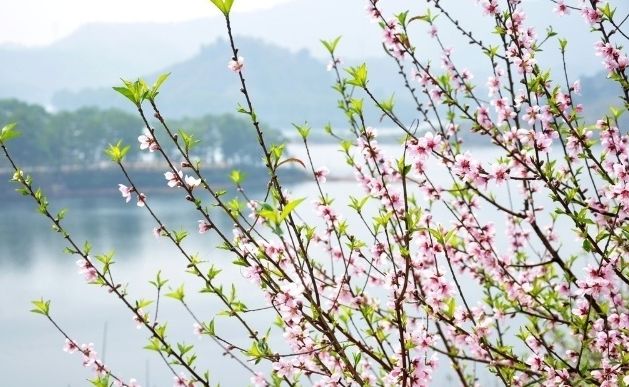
[{"x": 100, "y": 180}]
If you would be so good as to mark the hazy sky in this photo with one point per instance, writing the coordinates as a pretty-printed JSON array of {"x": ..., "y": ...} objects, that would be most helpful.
[{"x": 35, "y": 22}]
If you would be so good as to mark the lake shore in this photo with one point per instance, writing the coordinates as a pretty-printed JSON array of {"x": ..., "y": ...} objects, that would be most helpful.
[{"x": 102, "y": 180}]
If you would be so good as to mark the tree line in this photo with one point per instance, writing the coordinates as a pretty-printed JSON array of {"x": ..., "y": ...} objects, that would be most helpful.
[{"x": 56, "y": 139}]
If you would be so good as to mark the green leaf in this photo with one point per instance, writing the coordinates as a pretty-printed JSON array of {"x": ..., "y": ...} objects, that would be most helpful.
[
  {"x": 159, "y": 281},
  {"x": 587, "y": 246},
  {"x": 180, "y": 235},
  {"x": 236, "y": 176},
  {"x": 211, "y": 329},
  {"x": 154, "y": 345},
  {"x": 289, "y": 208},
  {"x": 178, "y": 294},
  {"x": 359, "y": 76},
  {"x": 270, "y": 215},
  {"x": 41, "y": 306},
  {"x": 388, "y": 104},
  {"x": 189, "y": 141},
  {"x": 142, "y": 303},
  {"x": 117, "y": 152},
  {"x": 607, "y": 11},
  {"x": 136, "y": 91},
  {"x": 224, "y": 6},
  {"x": 356, "y": 105},
  {"x": 357, "y": 204},
  {"x": 126, "y": 92},
  {"x": 9, "y": 132},
  {"x": 157, "y": 85},
  {"x": 451, "y": 305},
  {"x": 303, "y": 130},
  {"x": 401, "y": 17},
  {"x": 228, "y": 5},
  {"x": 100, "y": 381},
  {"x": 330, "y": 45},
  {"x": 234, "y": 206}
]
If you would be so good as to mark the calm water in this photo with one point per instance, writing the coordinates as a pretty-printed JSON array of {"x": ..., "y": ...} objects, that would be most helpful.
[{"x": 32, "y": 265}]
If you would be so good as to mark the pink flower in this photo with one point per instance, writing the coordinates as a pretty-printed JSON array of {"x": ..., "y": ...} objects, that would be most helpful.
[
  {"x": 192, "y": 182},
  {"x": 141, "y": 200},
  {"x": 147, "y": 141},
  {"x": 321, "y": 174},
  {"x": 465, "y": 167},
  {"x": 253, "y": 273},
  {"x": 490, "y": 7},
  {"x": 125, "y": 191},
  {"x": 197, "y": 329},
  {"x": 536, "y": 362},
  {"x": 236, "y": 65},
  {"x": 140, "y": 318},
  {"x": 283, "y": 368},
  {"x": 433, "y": 31},
  {"x": 532, "y": 114},
  {"x": 333, "y": 64},
  {"x": 132, "y": 383},
  {"x": 592, "y": 16},
  {"x": 204, "y": 226},
  {"x": 499, "y": 173},
  {"x": 87, "y": 270},
  {"x": 493, "y": 85},
  {"x": 157, "y": 231},
  {"x": 70, "y": 346},
  {"x": 100, "y": 368},
  {"x": 524, "y": 62},
  {"x": 258, "y": 380},
  {"x": 373, "y": 12},
  {"x": 561, "y": 8},
  {"x": 174, "y": 180},
  {"x": 89, "y": 355},
  {"x": 182, "y": 381}
]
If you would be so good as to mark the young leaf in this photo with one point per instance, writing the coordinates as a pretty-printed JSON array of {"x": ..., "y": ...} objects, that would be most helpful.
[
  {"x": 359, "y": 76},
  {"x": 9, "y": 132},
  {"x": 224, "y": 6},
  {"x": 228, "y": 5},
  {"x": 330, "y": 45},
  {"x": 236, "y": 176},
  {"x": 117, "y": 152},
  {"x": 290, "y": 207},
  {"x": 41, "y": 307},
  {"x": 126, "y": 92},
  {"x": 157, "y": 85},
  {"x": 178, "y": 294}
]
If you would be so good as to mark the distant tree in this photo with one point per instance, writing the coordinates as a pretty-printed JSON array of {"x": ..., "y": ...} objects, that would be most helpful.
[{"x": 79, "y": 137}]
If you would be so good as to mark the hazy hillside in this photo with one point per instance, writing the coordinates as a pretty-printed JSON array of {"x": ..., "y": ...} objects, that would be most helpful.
[
  {"x": 287, "y": 87},
  {"x": 97, "y": 55},
  {"x": 294, "y": 82}
]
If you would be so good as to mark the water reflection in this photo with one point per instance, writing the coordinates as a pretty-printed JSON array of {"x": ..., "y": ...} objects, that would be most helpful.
[{"x": 106, "y": 222}]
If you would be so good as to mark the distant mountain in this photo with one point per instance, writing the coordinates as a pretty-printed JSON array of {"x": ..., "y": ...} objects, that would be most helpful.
[
  {"x": 286, "y": 87},
  {"x": 599, "y": 94},
  {"x": 97, "y": 55}
]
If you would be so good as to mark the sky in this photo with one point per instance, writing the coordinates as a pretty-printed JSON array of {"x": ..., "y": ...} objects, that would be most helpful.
[{"x": 40, "y": 22}]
